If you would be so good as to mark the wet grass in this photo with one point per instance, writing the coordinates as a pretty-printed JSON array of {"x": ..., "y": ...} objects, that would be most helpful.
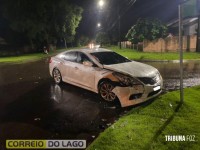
[
  {"x": 145, "y": 127},
  {"x": 137, "y": 55},
  {"x": 28, "y": 57},
  {"x": 130, "y": 53},
  {"x": 23, "y": 58}
]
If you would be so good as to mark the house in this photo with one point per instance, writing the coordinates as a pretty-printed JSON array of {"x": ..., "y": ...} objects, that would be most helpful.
[
  {"x": 171, "y": 42},
  {"x": 190, "y": 26}
]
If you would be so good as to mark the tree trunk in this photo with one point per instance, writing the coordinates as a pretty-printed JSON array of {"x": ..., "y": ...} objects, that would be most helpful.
[
  {"x": 198, "y": 36},
  {"x": 65, "y": 42},
  {"x": 32, "y": 45}
]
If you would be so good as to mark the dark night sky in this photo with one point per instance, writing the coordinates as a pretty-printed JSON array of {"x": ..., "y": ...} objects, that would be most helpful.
[{"x": 165, "y": 10}]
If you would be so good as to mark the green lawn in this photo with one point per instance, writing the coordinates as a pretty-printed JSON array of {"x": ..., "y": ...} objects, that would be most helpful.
[
  {"x": 23, "y": 58},
  {"x": 136, "y": 55},
  {"x": 145, "y": 127},
  {"x": 28, "y": 57},
  {"x": 131, "y": 54}
]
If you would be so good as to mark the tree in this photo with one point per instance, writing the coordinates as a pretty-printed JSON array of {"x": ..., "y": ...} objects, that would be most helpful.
[
  {"x": 113, "y": 35},
  {"x": 102, "y": 38},
  {"x": 82, "y": 40},
  {"x": 41, "y": 21},
  {"x": 149, "y": 29},
  {"x": 66, "y": 28}
]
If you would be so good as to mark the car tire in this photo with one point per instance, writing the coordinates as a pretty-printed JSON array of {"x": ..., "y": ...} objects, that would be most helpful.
[
  {"x": 57, "y": 76},
  {"x": 105, "y": 91}
]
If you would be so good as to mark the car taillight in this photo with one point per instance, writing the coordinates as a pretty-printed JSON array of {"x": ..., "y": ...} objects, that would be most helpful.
[{"x": 50, "y": 60}]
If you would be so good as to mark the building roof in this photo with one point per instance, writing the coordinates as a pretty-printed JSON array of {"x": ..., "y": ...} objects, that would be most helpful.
[{"x": 186, "y": 22}]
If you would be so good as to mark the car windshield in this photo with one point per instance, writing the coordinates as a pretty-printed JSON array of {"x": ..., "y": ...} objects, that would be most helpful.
[{"x": 109, "y": 58}]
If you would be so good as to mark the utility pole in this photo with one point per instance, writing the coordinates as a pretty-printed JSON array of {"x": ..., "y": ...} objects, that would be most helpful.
[
  {"x": 119, "y": 25},
  {"x": 198, "y": 36},
  {"x": 181, "y": 51},
  {"x": 120, "y": 44}
]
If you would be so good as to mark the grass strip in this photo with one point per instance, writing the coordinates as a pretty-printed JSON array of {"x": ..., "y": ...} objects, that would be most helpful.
[
  {"x": 138, "y": 55},
  {"x": 130, "y": 53},
  {"x": 28, "y": 57},
  {"x": 145, "y": 127}
]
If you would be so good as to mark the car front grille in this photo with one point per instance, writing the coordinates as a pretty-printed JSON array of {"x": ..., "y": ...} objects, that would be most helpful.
[{"x": 151, "y": 81}]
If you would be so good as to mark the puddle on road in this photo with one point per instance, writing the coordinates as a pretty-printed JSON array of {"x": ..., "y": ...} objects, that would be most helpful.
[
  {"x": 63, "y": 110},
  {"x": 171, "y": 74}
]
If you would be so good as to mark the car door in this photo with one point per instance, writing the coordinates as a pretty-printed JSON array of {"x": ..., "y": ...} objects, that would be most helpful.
[
  {"x": 84, "y": 74},
  {"x": 69, "y": 66}
]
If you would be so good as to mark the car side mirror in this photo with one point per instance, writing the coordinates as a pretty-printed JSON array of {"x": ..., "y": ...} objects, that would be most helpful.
[{"x": 88, "y": 63}]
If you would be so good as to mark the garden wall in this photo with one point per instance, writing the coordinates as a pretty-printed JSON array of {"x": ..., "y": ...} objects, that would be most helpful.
[{"x": 170, "y": 44}]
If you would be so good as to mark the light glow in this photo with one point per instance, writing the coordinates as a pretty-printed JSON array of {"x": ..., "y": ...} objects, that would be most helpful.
[
  {"x": 101, "y": 3},
  {"x": 98, "y": 25}
]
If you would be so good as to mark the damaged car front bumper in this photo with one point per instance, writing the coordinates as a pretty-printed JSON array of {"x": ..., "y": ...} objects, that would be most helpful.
[{"x": 137, "y": 94}]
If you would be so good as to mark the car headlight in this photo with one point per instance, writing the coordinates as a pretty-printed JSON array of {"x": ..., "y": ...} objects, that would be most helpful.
[{"x": 126, "y": 80}]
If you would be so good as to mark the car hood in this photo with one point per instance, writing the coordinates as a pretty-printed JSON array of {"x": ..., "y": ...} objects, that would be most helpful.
[{"x": 134, "y": 69}]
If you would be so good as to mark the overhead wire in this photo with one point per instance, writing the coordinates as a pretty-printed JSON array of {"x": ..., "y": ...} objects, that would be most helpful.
[{"x": 130, "y": 4}]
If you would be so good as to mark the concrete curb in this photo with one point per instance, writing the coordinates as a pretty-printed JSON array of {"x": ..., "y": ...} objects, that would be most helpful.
[{"x": 173, "y": 61}]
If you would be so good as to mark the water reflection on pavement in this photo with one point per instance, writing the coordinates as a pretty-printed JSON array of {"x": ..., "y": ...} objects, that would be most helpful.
[
  {"x": 171, "y": 74},
  {"x": 32, "y": 106}
]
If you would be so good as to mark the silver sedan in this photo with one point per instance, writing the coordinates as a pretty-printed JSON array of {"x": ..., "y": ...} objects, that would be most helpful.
[{"x": 107, "y": 73}]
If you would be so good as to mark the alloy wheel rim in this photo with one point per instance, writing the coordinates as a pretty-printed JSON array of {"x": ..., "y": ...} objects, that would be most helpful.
[
  {"x": 106, "y": 92},
  {"x": 57, "y": 76}
]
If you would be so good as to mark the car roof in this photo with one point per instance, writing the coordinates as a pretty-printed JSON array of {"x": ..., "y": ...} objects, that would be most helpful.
[{"x": 87, "y": 50}]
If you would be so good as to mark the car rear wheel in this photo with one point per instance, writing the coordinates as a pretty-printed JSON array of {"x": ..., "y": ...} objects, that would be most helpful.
[
  {"x": 57, "y": 76},
  {"x": 105, "y": 91}
]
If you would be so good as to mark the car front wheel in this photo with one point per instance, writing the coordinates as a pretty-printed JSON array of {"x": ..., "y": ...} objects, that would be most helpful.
[
  {"x": 57, "y": 76},
  {"x": 105, "y": 91}
]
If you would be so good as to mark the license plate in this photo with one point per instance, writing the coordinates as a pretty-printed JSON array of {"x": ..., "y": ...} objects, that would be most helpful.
[{"x": 156, "y": 88}]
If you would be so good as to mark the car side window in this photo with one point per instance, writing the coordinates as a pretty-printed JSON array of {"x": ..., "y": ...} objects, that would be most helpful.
[
  {"x": 70, "y": 56},
  {"x": 82, "y": 57}
]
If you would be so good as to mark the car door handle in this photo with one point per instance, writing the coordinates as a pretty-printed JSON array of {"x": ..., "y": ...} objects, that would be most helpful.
[{"x": 76, "y": 68}]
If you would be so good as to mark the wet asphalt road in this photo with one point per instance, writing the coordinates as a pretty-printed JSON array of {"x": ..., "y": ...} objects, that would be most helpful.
[{"x": 33, "y": 107}]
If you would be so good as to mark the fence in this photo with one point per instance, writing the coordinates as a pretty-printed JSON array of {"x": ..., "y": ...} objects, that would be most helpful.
[
  {"x": 169, "y": 44},
  {"x": 127, "y": 44}
]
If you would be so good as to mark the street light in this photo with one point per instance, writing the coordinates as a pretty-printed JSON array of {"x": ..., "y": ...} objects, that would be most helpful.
[
  {"x": 101, "y": 3},
  {"x": 99, "y": 25},
  {"x": 98, "y": 30}
]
